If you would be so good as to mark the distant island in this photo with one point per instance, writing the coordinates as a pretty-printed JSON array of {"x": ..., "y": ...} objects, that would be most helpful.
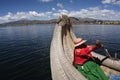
[{"x": 53, "y": 21}]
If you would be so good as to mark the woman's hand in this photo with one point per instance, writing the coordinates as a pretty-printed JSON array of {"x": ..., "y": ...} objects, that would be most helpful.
[{"x": 99, "y": 44}]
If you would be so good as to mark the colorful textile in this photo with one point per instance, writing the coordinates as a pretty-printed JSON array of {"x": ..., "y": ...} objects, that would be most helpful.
[
  {"x": 91, "y": 71},
  {"x": 114, "y": 77},
  {"x": 81, "y": 55}
]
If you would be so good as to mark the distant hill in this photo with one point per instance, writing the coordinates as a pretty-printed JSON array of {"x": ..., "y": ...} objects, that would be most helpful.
[
  {"x": 28, "y": 22},
  {"x": 93, "y": 21},
  {"x": 53, "y": 21}
]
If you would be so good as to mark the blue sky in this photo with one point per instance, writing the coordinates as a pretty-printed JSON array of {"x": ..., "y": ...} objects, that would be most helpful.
[{"x": 13, "y": 10}]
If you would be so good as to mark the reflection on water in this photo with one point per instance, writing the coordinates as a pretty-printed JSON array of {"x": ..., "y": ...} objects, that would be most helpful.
[
  {"x": 25, "y": 50},
  {"x": 107, "y": 34}
]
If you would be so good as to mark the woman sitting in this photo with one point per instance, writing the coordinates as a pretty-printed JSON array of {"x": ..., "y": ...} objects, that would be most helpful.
[{"x": 85, "y": 62}]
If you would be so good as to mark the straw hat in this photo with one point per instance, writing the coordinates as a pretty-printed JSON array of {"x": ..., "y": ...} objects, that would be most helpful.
[{"x": 79, "y": 41}]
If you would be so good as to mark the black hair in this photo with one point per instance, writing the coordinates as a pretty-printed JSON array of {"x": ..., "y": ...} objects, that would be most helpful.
[{"x": 81, "y": 46}]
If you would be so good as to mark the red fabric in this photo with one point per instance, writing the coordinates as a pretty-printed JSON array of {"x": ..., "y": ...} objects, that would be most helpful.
[{"x": 81, "y": 55}]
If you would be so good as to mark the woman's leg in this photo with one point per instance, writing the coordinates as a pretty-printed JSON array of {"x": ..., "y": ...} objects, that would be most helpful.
[{"x": 92, "y": 71}]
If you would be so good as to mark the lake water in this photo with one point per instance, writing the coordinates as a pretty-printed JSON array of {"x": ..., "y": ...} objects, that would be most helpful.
[
  {"x": 109, "y": 35},
  {"x": 25, "y": 50}
]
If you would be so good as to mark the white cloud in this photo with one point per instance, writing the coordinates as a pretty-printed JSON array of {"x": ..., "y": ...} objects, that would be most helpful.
[
  {"x": 92, "y": 12},
  {"x": 56, "y": 15},
  {"x": 45, "y": 0},
  {"x": 60, "y": 12},
  {"x": 63, "y": 11},
  {"x": 60, "y": 5},
  {"x": 24, "y": 15},
  {"x": 107, "y": 1},
  {"x": 71, "y": 1},
  {"x": 96, "y": 13},
  {"x": 115, "y": 2},
  {"x": 53, "y": 9}
]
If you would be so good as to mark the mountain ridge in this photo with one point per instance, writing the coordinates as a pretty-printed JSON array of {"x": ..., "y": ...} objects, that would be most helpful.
[{"x": 73, "y": 20}]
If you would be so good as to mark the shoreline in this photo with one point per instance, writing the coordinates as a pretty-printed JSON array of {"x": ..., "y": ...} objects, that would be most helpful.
[{"x": 73, "y": 20}]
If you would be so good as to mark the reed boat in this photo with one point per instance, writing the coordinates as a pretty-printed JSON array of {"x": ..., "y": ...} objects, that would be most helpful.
[{"x": 61, "y": 54}]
